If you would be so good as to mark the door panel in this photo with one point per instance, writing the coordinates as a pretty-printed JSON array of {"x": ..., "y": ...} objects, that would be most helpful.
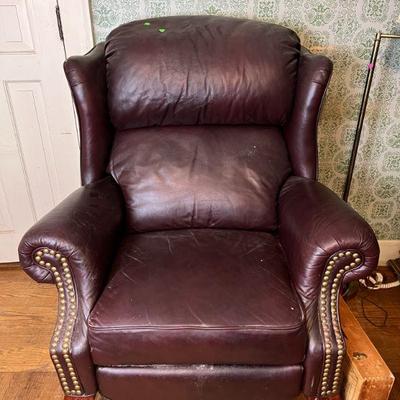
[
  {"x": 15, "y": 30},
  {"x": 33, "y": 139},
  {"x": 39, "y": 151}
]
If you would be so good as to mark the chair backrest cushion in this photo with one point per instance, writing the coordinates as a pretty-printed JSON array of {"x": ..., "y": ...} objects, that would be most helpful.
[
  {"x": 200, "y": 70},
  {"x": 200, "y": 176}
]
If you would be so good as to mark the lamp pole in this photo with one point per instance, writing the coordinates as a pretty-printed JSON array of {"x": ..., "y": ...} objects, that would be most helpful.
[{"x": 361, "y": 116}]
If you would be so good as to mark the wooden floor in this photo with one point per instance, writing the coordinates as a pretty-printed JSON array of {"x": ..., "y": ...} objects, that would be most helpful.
[
  {"x": 385, "y": 338},
  {"x": 27, "y": 317},
  {"x": 28, "y": 313}
]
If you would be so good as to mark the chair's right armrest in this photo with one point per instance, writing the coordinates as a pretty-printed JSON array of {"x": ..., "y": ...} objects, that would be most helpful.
[
  {"x": 73, "y": 246},
  {"x": 326, "y": 243}
]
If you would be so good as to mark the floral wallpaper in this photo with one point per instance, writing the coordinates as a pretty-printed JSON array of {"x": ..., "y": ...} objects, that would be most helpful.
[{"x": 344, "y": 30}]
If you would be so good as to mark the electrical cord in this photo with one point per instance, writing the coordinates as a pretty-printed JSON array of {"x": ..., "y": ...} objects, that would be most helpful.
[
  {"x": 364, "y": 299},
  {"x": 375, "y": 282}
]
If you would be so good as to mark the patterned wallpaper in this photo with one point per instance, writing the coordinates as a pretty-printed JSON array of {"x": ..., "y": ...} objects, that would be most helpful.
[{"x": 344, "y": 30}]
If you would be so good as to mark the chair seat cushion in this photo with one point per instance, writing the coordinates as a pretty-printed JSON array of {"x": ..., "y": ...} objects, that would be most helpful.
[{"x": 202, "y": 296}]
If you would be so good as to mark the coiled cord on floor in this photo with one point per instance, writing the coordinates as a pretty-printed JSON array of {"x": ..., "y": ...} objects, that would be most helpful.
[{"x": 375, "y": 282}]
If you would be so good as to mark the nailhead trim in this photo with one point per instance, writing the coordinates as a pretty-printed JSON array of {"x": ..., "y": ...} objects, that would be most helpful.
[
  {"x": 65, "y": 320},
  {"x": 329, "y": 320},
  {"x": 328, "y": 302}
]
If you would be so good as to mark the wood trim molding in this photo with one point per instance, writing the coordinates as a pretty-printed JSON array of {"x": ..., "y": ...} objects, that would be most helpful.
[
  {"x": 390, "y": 249},
  {"x": 77, "y": 26}
]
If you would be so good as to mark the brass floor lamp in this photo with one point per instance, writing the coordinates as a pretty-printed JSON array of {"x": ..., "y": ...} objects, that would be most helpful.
[
  {"x": 371, "y": 69},
  {"x": 395, "y": 264}
]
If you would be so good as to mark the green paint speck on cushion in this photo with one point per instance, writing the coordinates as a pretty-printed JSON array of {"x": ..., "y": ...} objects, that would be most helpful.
[{"x": 335, "y": 25}]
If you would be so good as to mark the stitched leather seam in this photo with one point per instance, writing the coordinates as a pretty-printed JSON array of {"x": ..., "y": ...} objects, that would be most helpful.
[
  {"x": 35, "y": 266},
  {"x": 155, "y": 367},
  {"x": 199, "y": 328}
]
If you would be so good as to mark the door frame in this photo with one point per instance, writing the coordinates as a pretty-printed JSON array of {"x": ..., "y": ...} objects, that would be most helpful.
[
  {"x": 76, "y": 14},
  {"x": 38, "y": 28}
]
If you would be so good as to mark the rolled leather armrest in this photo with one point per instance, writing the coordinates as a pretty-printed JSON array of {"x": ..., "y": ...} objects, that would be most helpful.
[
  {"x": 326, "y": 243},
  {"x": 73, "y": 246}
]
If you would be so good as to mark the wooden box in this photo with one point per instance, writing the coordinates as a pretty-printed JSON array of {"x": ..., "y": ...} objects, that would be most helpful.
[{"x": 367, "y": 377}]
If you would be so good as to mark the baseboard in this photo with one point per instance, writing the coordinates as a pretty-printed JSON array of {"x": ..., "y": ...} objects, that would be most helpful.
[
  {"x": 8, "y": 266},
  {"x": 390, "y": 249}
]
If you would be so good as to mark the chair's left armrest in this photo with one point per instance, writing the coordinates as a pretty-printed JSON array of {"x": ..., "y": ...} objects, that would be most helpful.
[
  {"x": 326, "y": 243},
  {"x": 84, "y": 228},
  {"x": 73, "y": 246}
]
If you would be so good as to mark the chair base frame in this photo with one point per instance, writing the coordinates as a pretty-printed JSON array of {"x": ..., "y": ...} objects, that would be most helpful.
[{"x": 336, "y": 397}]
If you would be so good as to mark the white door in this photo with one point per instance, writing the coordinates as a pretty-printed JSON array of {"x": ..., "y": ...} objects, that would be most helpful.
[{"x": 39, "y": 150}]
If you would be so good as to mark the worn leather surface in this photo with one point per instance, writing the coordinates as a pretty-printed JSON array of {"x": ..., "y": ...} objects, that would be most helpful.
[
  {"x": 315, "y": 224},
  {"x": 301, "y": 131},
  {"x": 85, "y": 229},
  {"x": 203, "y": 296},
  {"x": 200, "y": 176},
  {"x": 200, "y": 382},
  {"x": 86, "y": 76},
  {"x": 201, "y": 70}
]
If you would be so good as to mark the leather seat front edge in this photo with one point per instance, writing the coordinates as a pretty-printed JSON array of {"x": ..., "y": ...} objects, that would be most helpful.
[
  {"x": 199, "y": 382},
  {"x": 204, "y": 296}
]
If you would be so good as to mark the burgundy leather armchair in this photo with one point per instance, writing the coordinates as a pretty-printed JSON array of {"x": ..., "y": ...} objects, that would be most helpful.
[{"x": 201, "y": 259}]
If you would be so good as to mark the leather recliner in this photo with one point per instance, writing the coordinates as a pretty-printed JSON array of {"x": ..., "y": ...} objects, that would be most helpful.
[{"x": 201, "y": 259}]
